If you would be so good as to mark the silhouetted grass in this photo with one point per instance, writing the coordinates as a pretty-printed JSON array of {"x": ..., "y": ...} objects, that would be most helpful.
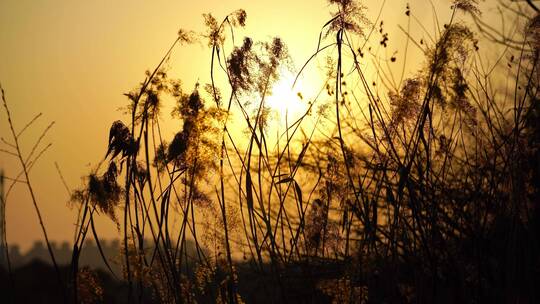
[{"x": 418, "y": 188}]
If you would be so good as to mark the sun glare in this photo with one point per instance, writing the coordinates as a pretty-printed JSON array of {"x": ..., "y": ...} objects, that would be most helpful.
[{"x": 285, "y": 100}]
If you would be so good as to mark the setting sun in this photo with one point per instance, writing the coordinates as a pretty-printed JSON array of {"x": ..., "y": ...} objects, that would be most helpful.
[{"x": 285, "y": 100}]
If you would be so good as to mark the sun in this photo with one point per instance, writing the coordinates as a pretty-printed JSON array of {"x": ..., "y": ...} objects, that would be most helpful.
[{"x": 285, "y": 100}]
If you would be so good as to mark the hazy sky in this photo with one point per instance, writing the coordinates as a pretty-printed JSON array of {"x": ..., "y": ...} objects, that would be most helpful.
[{"x": 72, "y": 60}]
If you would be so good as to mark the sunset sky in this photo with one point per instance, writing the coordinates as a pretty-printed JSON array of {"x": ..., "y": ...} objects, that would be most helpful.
[{"x": 73, "y": 60}]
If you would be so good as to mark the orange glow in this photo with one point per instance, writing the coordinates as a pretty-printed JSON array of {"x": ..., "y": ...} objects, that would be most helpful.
[{"x": 286, "y": 100}]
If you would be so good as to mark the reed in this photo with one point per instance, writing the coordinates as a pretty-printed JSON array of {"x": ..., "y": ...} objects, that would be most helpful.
[{"x": 393, "y": 188}]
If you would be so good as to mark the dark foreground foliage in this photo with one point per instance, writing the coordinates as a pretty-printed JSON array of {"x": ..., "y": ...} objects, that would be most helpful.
[{"x": 35, "y": 283}]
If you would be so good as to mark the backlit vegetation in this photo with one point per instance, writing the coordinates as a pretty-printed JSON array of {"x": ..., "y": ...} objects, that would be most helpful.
[{"x": 389, "y": 188}]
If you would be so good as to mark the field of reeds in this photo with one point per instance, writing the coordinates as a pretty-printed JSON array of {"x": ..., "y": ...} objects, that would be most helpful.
[{"x": 420, "y": 188}]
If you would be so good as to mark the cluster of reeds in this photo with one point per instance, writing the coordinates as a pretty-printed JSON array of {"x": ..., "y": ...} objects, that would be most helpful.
[
  {"x": 418, "y": 190},
  {"x": 424, "y": 188}
]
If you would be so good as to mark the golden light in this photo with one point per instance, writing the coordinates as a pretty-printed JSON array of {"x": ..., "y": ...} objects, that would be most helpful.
[{"x": 285, "y": 100}]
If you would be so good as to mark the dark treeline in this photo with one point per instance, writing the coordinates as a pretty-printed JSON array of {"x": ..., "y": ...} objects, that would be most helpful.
[{"x": 63, "y": 252}]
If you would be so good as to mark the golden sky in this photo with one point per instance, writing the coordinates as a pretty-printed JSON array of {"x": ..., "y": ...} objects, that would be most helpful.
[{"x": 73, "y": 60}]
